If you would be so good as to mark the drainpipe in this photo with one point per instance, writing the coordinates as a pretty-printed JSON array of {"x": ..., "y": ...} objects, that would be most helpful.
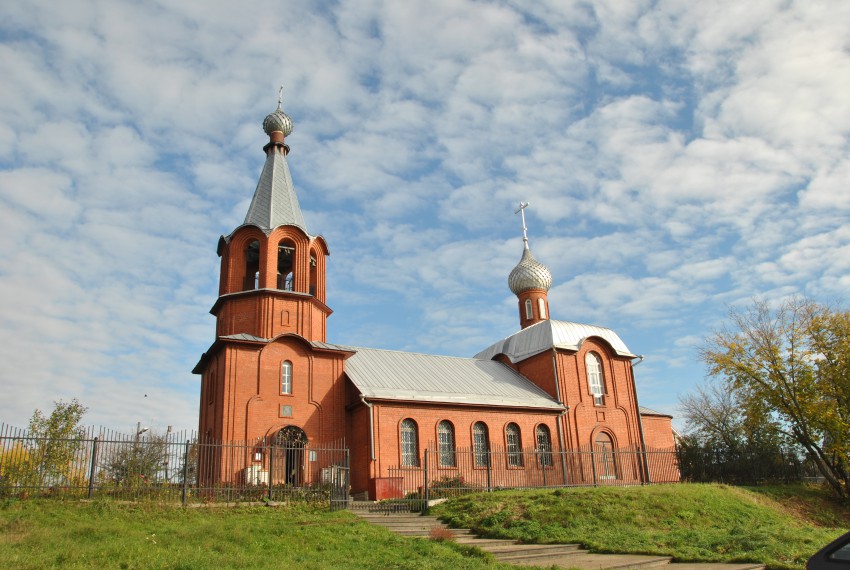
[
  {"x": 640, "y": 421},
  {"x": 371, "y": 427}
]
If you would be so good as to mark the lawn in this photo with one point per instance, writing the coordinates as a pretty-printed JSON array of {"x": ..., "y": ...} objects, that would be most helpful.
[
  {"x": 780, "y": 526},
  {"x": 777, "y": 525},
  {"x": 66, "y": 534}
]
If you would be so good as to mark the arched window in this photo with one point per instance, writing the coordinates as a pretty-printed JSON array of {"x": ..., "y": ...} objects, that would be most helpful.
[
  {"x": 446, "y": 439},
  {"x": 513, "y": 438},
  {"x": 544, "y": 445},
  {"x": 252, "y": 266},
  {"x": 286, "y": 377},
  {"x": 481, "y": 444},
  {"x": 529, "y": 310},
  {"x": 606, "y": 460},
  {"x": 541, "y": 308},
  {"x": 285, "y": 264},
  {"x": 595, "y": 380},
  {"x": 409, "y": 443}
]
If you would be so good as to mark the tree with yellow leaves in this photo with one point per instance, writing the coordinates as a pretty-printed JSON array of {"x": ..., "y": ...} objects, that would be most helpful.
[{"x": 794, "y": 362}]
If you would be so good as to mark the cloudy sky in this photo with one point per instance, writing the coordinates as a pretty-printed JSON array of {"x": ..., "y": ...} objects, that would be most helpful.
[{"x": 679, "y": 157}]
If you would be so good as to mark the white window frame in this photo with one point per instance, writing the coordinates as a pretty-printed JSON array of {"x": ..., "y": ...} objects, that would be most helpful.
[
  {"x": 529, "y": 309},
  {"x": 595, "y": 378},
  {"x": 541, "y": 308},
  {"x": 286, "y": 377}
]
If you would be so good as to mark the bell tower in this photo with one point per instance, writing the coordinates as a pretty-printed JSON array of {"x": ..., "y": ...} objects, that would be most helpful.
[
  {"x": 530, "y": 281},
  {"x": 272, "y": 270}
]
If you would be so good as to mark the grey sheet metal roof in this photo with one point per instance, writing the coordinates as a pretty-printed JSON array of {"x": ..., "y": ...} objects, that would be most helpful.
[
  {"x": 644, "y": 411},
  {"x": 551, "y": 334},
  {"x": 275, "y": 203},
  {"x": 408, "y": 376}
]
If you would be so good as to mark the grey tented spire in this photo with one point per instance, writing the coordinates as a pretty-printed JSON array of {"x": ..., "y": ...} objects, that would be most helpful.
[{"x": 275, "y": 203}]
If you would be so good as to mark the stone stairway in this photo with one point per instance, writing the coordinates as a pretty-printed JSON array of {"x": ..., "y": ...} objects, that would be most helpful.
[{"x": 512, "y": 552}]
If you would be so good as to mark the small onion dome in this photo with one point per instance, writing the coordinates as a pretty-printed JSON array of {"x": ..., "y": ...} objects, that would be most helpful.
[
  {"x": 277, "y": 121},
  {"x": 529, "y": 274}
]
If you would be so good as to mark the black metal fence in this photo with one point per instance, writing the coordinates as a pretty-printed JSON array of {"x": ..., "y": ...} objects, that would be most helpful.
[
  {"x": 704, "y": 464},
  {"x": 460, "y": 471},
  {"x": 171, "y": 467}
]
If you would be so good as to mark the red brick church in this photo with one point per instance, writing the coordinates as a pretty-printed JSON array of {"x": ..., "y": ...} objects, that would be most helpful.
[{"x": 271, "y": 374}]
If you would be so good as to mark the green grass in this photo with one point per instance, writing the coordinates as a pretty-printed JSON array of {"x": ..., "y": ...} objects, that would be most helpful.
[
  {"x": 780, "y": 526},
  {"x": 58, "y": 534}
]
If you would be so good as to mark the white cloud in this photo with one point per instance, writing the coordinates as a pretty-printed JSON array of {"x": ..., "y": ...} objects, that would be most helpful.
[{"x": 677, "y": 157}]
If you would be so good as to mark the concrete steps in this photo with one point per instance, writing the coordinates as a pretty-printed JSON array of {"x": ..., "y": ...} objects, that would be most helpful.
[{"x": 547, "y": 555}]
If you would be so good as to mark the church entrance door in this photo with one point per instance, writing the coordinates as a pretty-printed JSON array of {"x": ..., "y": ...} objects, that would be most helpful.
[{"x": 288, "y": 456}]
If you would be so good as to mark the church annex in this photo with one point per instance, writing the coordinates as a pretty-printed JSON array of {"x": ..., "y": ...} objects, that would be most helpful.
[{"x": 272, "y": 375}]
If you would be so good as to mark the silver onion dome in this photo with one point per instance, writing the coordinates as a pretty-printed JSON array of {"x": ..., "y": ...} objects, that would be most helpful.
[
  {"x": 529, "y": 274},
  {"x": 277, "y": 121}
]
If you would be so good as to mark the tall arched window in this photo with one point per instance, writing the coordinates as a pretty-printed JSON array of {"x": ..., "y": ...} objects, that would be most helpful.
[
  {"x": 595, "y": 380},
  {"x": 446, "y": 439},
  {"x": 606, "y": 460},
  {"x": 481, "y": 444},
  {"x": 409, "y": 443},
  {"x": 286, "y": 377},
  {"x": 513, "y": 438},
  {"x": 529, "y": 309},
  {"x": 541, "y": 308},
  {"x": 544, "y": 445}
]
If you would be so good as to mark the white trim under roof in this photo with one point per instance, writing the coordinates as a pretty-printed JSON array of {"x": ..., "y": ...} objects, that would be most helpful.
[{"x": 552, "y": 334}]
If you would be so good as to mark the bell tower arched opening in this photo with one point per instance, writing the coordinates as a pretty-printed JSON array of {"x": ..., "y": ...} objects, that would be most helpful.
[
  {"x": 252, "y": 266},
  {"x": 286, "y": 265}
]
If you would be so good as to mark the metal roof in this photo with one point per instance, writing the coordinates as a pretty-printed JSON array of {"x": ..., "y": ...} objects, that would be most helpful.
[
  {"x": 644, "y": 411},
  {"x": 408, "y": 376},
  {"x": 275, "y": 203},
  {"x": 550, "y": 334}
]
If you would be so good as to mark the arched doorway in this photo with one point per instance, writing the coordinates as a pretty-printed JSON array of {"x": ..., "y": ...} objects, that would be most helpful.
[
  {"x": 606, "y": 460},
  {"x": 288, "y": 456}
]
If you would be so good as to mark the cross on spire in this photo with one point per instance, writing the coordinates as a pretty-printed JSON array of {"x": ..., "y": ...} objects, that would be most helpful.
[
  {"x": 521, "y": 211},
  {"x": 280, "y": 98}
]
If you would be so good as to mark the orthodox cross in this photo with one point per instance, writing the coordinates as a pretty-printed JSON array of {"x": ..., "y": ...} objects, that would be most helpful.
[
  {"x": 280, "y": 98},
  {"x": 521, "y": 212}
]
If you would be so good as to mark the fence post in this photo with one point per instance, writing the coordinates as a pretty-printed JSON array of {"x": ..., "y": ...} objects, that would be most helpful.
[
  {"x": 425, "y": 486},
  {"x": 93, "y": 464},
  {"x": 542, "y": 459},
  {"x": 563, "y": 455},
  {"x": 489, "y": 471},
  {"x": 593, "y": 466},
  {"x": 185, "y": 473},
  {"x": 271, "y": 469}
]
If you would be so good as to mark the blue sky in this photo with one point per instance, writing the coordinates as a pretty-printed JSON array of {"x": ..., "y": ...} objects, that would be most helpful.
[{"x": 679, "y": 157}]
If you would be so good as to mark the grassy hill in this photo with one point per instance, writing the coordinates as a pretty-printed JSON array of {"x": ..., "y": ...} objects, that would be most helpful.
[
  {"x": 781, "y": 526},
  {"x": 78, "y": 535},
  {"x": 778, "y": 525}
]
